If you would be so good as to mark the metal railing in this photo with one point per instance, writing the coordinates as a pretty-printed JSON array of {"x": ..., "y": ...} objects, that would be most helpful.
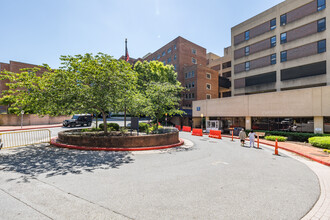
[{"x": 23, "y": 138}]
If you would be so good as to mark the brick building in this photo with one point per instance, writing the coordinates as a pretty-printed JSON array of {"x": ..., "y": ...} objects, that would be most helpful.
[
  {"x": 13, "y": 66},
  {"x": 190, "y": 62}
]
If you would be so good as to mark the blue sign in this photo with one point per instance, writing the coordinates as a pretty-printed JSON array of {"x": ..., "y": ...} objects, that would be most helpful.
[{"x": 198, "y": 109}]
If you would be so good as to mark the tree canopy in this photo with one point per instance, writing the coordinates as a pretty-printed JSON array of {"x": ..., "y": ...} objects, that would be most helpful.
[{"x": 100, "y": 83}]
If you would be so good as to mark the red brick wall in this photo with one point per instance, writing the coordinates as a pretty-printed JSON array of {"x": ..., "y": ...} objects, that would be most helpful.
[
  {"x": 260, "y": 29},
  {"x": 260, "y": 46},
  {"x": 302, "y": 11},
  {"x": 302, "y": 31},
  {"x": 303, "y": 51},
  {"x": 202, "y": 80}
]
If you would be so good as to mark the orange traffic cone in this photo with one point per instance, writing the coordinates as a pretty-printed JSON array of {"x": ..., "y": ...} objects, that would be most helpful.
[{"x": 276, "y": 147}]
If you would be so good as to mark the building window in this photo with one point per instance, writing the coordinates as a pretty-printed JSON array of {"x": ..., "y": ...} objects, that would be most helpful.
[
  {"x": 193, "y": 51},
  {"x": 186, "y": 96},
  {"x": 273, "y": 24},
  {"x": 320, "y": 5},
  {"x": 321, "y": 25},
  {"x": 163, "y": 54},
  {"x": 192, "y": 95},
  {"x": 193, "y": 60},
  {"x": 247, "y": 51},
  {"x": 273, "y": 41},
  {"x": 193, "y": 84},
  {"x": 208, "y": 86},
  {"x": 283, "y": 19},
  {"x": 208, "y": 96},
  {"x": 192, "y": 73},
  {"x": 283, "y": 38},
  {"x": 164, "y": 62},
  {"x": 158, "y": 57},
  {"x": 174, "y": 47},
  {"x": 189, "y": 85},
  {"x": 174, "y": 58},
  {"x": 208, "y": 76},
  {"x": 174, "y": 66},
  {"x": 186, "y": 75},
  {"x": 247, "y": 66},
  {"x": 169, "y": 50},
  {"x": 321, "y": 46},
  {"x": 169, "y": 60},
  {"x": 189, "y": 96},
  {"x": 189, "y": 75},
  {"x": 283, "y": 56},
  {"x": 273, "y": 59},
  {"x": 247, "y": 35}
]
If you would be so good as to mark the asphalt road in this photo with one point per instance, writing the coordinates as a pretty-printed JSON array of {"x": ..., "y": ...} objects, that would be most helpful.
[{"x": 204, "y": 179}]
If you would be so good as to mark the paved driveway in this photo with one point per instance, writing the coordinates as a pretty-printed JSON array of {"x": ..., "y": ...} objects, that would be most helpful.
[{"x": 204, "y": 179}]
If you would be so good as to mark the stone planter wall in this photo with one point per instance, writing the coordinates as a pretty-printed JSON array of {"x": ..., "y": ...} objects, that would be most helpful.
[{"x": 119, "y": 141}]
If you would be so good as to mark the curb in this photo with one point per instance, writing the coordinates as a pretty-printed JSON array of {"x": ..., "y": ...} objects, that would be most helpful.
[
  {"x": 22, "y": 129},
  {"x": 53, "y": 142},
  {"x": 293, "y": 151}
]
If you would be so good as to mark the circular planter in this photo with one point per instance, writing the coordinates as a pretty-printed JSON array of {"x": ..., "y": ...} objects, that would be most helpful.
[{"x": 81, "y": 141}]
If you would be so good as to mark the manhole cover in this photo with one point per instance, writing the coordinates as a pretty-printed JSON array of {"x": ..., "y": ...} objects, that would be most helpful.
[{"x": 321, "y": 155}]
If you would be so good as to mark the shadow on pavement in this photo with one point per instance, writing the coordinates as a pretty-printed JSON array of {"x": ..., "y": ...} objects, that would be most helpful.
[{"x": 43, "y": 159}]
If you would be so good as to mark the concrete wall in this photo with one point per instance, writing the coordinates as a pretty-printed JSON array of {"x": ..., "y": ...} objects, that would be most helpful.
[
  {"x": 294, "y": 103},
  {"x": 14, "y": 120},
  {"x": 302, "y": 35}
]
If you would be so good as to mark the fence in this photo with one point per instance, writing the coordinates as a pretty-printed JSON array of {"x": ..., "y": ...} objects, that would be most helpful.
[{"x": 23, "y": 138}]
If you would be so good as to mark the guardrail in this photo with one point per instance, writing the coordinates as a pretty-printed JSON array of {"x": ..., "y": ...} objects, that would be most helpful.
[{"x": 23, "y": 138}]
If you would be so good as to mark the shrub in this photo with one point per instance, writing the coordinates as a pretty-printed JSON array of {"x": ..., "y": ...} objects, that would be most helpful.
[
  {"x": 111, "y": 126},
  {"x": 326, "y": 151},
  {"x": 90, "y": 129},
  {"x": 143, "y": 127},
  {"x": 292, "y": 136},
  {"x": 321, "y": 142},
  {"x": 273, "y": 138}
]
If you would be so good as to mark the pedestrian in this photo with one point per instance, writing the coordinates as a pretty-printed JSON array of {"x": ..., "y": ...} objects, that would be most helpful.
[
  {"x": 252, "y": 136},
  {"x": 242, "y": 136}
]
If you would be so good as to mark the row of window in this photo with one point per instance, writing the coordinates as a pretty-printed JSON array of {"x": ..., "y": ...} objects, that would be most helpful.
[
  {"x": 321, "y": 48},
  {"x": 190, "y": 96},
  {"x": 283, "y": 19},
  {"x": 190, "y": 85},
  {"x": 321, "y": 26},
  {"x": 190, "y": 74},
  {"x": 169, "y": 50}
]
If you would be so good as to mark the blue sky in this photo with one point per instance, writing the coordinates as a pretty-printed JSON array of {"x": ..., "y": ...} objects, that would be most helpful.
[{"x": 39, "y": 31}]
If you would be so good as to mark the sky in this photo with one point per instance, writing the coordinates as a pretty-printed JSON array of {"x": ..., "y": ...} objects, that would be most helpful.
[{"x": 40, "y": 31}]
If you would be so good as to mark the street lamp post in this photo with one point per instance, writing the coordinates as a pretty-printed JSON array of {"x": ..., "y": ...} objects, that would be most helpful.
[
  {"x": 166, "y": 119},
  {"x": 202, "y": 121},
  {"x": 22, "y": 113}
]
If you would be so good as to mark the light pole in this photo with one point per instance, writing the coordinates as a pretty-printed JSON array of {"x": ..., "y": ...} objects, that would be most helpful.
[
  {"x": 22, "y": 113},
  {"x": 166, "y": 118},
  {"x": 202, "y": 121}
]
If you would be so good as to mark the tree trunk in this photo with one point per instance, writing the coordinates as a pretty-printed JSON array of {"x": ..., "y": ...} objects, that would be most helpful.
[
  {"x": 125, "y": 117},
  {"x": 105, "y": 128},
  {"x": 157, "y": 125}
]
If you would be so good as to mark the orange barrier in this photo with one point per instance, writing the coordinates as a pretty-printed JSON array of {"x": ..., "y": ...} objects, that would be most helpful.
[
  {"x": 178, "y": 127},
  {"x": 215, "y": 134},
  {"x": 276, "y": 147},
  {"x": 186, "y": 128},
  {"x": 258, "y": 141},
  {"x": 197, "y": 132}
]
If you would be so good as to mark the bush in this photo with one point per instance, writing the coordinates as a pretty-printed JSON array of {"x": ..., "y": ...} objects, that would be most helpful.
[
  {"x": 292, "y": 136},
  {"x": 321, "y": 142},
  {"x": 326, "y": 151},
  {"x": 273, "y": 138},
  {"x": 143, "y": 127},
  {"x": 111, "y": 126},
  {"x": 90, "y": 129}
]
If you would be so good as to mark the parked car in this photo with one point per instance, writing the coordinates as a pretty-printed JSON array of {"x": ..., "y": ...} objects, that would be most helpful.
[{"x": 81, "y": 120}]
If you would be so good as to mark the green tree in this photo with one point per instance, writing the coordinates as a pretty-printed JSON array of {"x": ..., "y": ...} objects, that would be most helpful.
[
  {"x": 160, "y": 88},
  {"x": 84, "y": 83}
]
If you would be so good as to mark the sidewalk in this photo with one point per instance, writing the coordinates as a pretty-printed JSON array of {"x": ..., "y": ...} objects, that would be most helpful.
[
  {"x": 27, "y": 127},
  {"x": 309, "y": 152}
]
